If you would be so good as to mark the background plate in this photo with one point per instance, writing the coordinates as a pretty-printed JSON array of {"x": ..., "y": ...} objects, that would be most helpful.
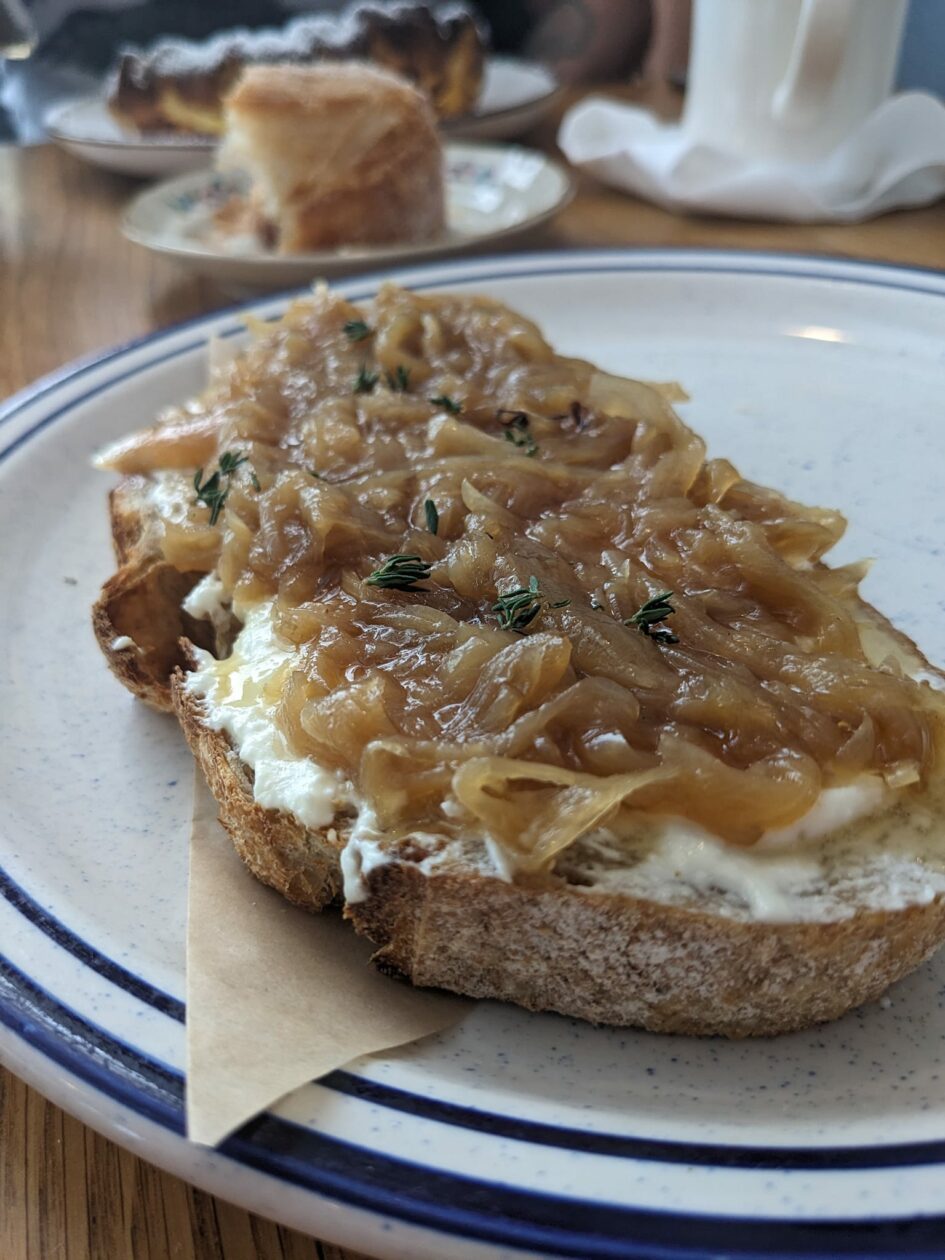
[
  {"x": 514, "y": 1134},
  {"x": 515, "y": 96},
  {"x": 493, "y": 192}
]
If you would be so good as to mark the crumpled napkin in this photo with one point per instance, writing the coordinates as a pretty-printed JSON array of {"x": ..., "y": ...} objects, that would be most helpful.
[{"x": 896, "y": 158}]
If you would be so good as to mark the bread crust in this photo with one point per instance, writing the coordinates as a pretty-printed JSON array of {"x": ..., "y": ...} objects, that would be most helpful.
[
  {"x": 301, "y": 863},
  {"x": 142, "y": 600},
  {"x": 605, "y": 957},
  {"x": 611, "y": 958}
]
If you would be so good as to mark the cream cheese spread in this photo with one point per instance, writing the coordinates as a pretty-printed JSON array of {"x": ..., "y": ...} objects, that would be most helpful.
[
  {"x": 797, "y": 872},
  {"x": 208, "y": 601},
  {"x": 240, "y": 695}
]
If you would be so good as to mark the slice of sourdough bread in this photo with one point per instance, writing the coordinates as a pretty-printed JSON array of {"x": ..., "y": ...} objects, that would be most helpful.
[{"x": 569, "y": 941}]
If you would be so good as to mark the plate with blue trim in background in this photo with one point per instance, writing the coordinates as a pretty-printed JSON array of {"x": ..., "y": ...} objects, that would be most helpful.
[{"x": 513, "y": 1134}]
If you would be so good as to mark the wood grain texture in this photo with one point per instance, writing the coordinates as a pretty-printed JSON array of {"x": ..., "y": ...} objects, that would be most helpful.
[
  {"x": 68, "y": 1194},
  {"x": 69, "y": 285}
]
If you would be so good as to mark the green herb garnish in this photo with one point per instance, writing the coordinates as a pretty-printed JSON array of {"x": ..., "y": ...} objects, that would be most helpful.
[
  {"x": 213, "y": 492},
  {"x": 648, "y": 617},
  {"x": 447, "y": 403},
  {"x": 312, "y": 473},
  {"x": 357, "y": 330},
  {"x": 365, "y": 381},
  {"x": 254, "y": 479},
  {"x": 517, "y": 609},
  {"x": 432, "y": 515},
  {"x": 400, "y": 573},
  {"x": 518, "y": 432},
  {"x": 399, "y": 379},
  {"x": 230, "y": 461}
]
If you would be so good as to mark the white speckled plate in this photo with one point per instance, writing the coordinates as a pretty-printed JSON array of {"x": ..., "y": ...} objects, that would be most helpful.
[
  {"x": 515, "y": 1134},
  {"x": 493, "y": 192}
]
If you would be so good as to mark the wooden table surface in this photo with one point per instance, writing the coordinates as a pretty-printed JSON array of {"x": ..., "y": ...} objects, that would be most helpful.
[{"x": 70, "y": 284}]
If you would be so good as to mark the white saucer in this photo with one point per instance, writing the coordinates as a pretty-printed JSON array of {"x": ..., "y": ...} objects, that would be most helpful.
[
  {"x": 493, "y": 192},
  {"x": 86, "y": 128},
  {"x": 515, "y": 96}
]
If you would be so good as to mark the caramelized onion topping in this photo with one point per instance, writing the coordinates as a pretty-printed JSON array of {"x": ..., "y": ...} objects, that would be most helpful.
[{"x": 604, "y": 500}]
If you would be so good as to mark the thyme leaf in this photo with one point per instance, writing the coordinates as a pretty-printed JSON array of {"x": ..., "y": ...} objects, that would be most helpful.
[
  {"x": 400, "y": 573},
  {"x": 649, "y": 616},
  {"x": 213, "y": 492},
  {"x": 447, "y": 403},
  {"x": 517, "y": 609},
  {"x": 432, "y": 515},
  {"x": 399, "y": 379},
  {"x": 357, "y": 330},
  {"x": 365, "y": 381},
  {"x": 518, "y": 431}
]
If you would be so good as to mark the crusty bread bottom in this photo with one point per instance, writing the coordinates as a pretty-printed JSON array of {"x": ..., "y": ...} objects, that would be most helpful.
[
  {"x": 302, "y": 864},
  {"x": 606, "y": 957}
]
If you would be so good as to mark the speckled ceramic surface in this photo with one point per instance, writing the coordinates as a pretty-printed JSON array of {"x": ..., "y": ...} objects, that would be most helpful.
[
  {"x": 493, "y": 191},
  {"x": 514, "y": 1134}
]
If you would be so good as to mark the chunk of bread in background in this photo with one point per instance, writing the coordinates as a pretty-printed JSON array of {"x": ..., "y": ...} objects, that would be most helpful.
[{"x": 339, "y": 154}]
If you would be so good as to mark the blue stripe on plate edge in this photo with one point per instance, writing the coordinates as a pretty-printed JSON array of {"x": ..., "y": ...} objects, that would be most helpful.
[
  {"x": 586, "y": 1141},
  {"x": 491, "y": 1212}
]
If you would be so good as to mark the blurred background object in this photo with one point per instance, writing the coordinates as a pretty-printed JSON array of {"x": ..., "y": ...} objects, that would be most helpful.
[
  {"x": 790, "y": 114},
  {"x": 17, "y": 31},
  {"x": 922, "y": 61},
  {"x": 65, "y": 48}
]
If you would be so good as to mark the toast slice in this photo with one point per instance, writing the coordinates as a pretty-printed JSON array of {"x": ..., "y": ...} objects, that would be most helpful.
[{"x": 631, "y": 920}]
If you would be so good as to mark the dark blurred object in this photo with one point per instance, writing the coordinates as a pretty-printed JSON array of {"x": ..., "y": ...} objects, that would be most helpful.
[
  {"x": 18, "y": 34},
  {"x": 179, "y": 86},
  {"x": 583, "y": 41},
  {"x": 668, "y": 54},
  {"x": 922, "y": 63}
]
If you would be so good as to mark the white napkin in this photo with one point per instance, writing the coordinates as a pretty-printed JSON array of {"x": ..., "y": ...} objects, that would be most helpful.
[{"x": 896, "y": 158}]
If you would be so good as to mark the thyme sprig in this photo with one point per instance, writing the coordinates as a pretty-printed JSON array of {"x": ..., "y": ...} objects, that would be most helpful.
[
  {"x": 649, "y": 616},
  {"x": 518, "y": 430},
  {"x": 358, "y": 330},
  {"x": 213, "y": 492},
  {"x": 400, "y": 573},
  {"x": 432, "y": 515},
  {"x": 365, "y": 381},
  {"x": 399, "y": 379},
  {"x": 516, "y": 610},
  {"x": 447, "y": 403}
]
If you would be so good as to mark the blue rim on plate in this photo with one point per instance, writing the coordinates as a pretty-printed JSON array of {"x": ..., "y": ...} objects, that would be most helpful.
[{"x": 399, "y": 1189}]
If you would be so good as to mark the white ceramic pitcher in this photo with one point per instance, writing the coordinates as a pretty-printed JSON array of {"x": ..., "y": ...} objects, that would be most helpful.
[{"x": 788, "y": 79}]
